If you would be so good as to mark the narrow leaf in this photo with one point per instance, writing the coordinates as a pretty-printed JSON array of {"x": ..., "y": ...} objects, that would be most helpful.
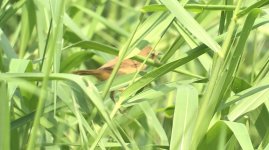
[
  {"x": 4, "y": 117},
  {"x": 191, "y": 24},
  {"x": 221, "y": 132},
  {"x": 185, "y": 113}
]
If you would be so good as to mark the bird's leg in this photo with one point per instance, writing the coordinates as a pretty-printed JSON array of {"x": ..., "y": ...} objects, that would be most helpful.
[{"x": 112, "y": 96}]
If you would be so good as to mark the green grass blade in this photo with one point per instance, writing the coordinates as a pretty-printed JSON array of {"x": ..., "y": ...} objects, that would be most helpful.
[
  {"x": 154, "y": 122},
  {"x": 186, "y": 35},
  {"x": 41, "y": 26},
  {"x": 239, "y": 49},
  {"x": 107, "y": 23},
  {"x": 5, "y": 45},
  {"x": 94, "y": 45},
  {"x": 241, "y": 133},
  {"x": 16, "y": 66},
  {"x": 185, "y": 113},
  {"x": 28, "y": 22},
  {"x": 267, "y": 147},
  {"x": 4, "y": 117},
  {"x": 94, "y": 23},
  {"x": 68, "y": 22},
  {"x": 253, "y": 6},
  {"x": 247, "y": 101},
  {"x": 155, "y": 7},
  {"x": 150, "y": 94},
  {"x": 74, "y": 60},
  {"x": 191, "y": 24},
  {"x": 151, "y": 29},
  {"x": 222, "y": 131}
]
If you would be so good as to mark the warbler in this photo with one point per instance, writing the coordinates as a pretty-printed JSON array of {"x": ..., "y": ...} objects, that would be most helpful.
[{"x": 127, "y": 66}]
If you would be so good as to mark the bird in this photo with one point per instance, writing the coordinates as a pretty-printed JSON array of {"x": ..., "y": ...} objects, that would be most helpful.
[{"x": 127, "y": 66}]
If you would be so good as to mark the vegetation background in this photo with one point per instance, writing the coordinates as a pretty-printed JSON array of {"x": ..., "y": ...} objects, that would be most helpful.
[{"x": 208, "y": 88}]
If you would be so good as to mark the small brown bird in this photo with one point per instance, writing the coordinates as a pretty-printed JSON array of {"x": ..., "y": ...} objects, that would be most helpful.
[{"x": 127, "y": 66}]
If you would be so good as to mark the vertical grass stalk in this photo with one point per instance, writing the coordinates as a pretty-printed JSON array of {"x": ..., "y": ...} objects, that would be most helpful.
[
  {"x": 219, "y": 87},
  {"x": 212, "y": 94},
  {"x": 122, "y": 54},
  {"x": 47, "y": 69},
  {"x": 4, "y": 117}
]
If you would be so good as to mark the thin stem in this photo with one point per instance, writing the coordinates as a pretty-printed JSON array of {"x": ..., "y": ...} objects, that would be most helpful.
[
  {"x": 122, "y": 54},
  {"x": 212, "y": 95},
  {"x": 44, "y": 87},
  {"x": 201, "y": 7}
]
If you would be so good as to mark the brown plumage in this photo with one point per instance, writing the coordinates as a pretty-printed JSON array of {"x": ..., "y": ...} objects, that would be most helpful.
[{"x": 127, "y": 66}]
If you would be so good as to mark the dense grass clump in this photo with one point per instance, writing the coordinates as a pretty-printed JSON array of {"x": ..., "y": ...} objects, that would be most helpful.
[{"x": 207, "y": 88}]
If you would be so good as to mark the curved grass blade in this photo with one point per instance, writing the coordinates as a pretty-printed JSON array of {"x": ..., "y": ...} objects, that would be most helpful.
[
  {"x": 191, "y": 24},
  {"x": 247, "y": 101},
  {"x": 154, "y": 122},
  {"x": 74, "y": 60},
  {"x": 258, "y": 4},
  {"x": 68, "y": 22},
  {"x": 94, "y": 45},
  {"x": 151, "y": 94},
  {"x": 221, "y": 132}
]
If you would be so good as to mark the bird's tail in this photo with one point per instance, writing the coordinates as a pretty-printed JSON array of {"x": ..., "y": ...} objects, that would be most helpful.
[
  {"x": 86, "y": 72},
  {"x": 100, "y": 74}
]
